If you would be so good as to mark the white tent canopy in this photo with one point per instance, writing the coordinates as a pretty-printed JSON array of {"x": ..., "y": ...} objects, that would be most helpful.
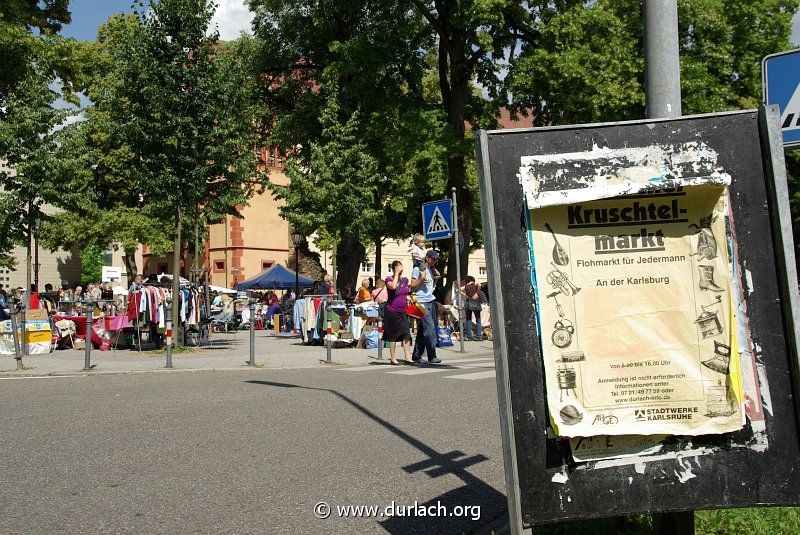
[
  {"x": 220, "y": 289},
  {"x": 119, "y": 290}
]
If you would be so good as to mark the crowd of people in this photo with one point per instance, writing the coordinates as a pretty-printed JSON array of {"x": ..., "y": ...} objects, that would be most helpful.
[
  {"x": 423, "y": 287},
  {"x": 64, "y": 299}
]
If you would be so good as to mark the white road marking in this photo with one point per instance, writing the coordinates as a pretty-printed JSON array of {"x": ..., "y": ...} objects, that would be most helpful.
[
  {"x": 36, "y": 377},
  {"x": 473, "y": 376},
  {"x": 386, "y": 367}
]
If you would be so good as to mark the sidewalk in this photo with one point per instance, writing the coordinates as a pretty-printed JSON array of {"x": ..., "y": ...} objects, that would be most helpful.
[{"x": 227, "y": 352}]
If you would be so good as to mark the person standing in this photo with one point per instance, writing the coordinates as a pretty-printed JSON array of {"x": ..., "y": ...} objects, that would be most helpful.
[
  {"x": 422, "y": 282},
  {"x": 136, "y": 285},
  {"x": 380, "y": 293},
  {"x": 396, "y": 327},
  {"x": 473, "y": 306}
]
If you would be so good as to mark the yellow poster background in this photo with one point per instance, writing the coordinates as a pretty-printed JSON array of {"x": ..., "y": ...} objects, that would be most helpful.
[{"x": 635, "y": 309}]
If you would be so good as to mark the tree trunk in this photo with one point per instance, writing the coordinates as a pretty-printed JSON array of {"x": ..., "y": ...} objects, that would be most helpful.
[
  {"x": 454, "y": 85},
  {"x": 129, "y": 259},
  {"x": 350, "y": 253},
  {"x": 176, "y": 279}
]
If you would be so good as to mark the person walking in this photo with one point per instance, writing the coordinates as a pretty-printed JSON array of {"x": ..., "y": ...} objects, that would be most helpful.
[
  {"x": 422, "y": 282},
  {"x": 395, "y": 325}
]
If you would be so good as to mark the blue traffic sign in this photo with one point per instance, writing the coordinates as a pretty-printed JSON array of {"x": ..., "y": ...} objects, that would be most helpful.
[
  {"x": 781, "y": 78},
  {"x": 437, "y": 220}
]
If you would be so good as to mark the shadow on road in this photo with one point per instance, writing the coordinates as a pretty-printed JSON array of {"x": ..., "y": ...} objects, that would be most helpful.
[{"x": 455, "y": 502}]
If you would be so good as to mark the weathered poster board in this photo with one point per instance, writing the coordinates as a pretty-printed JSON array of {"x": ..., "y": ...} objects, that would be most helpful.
[{"x": 743, "y": 452}]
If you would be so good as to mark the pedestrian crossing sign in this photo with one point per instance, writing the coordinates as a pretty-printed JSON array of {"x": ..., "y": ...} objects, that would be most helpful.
[
  {"x": 781, "y": 79},
  {"x": 437, "y": 220}
]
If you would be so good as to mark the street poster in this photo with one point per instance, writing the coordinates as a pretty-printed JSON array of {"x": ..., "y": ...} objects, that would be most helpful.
[{"x": 635, "y": 298}]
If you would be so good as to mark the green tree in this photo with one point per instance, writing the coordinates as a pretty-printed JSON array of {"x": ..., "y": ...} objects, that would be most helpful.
[
  {"x": 91, "y": 264},
  {"x": 584, "y": 63},
  {"x": 194, "y": 113},
  {"x": 100, "y": 195},
  {"x": 28, "y": 34},
  {"x": 28, "y": 140},
  {"x": 363, "y": 59}
]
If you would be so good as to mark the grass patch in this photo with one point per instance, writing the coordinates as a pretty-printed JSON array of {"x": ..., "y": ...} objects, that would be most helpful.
[
  {"x": 750, "y": 521},
  {"x": 754, "y": 520}
]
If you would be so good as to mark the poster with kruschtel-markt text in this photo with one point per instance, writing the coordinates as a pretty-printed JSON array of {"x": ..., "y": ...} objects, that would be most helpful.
[{"x": 634, "y": 304}]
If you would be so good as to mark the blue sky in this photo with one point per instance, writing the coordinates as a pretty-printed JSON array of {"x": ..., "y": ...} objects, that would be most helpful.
[
  {"x": 231, "y": 17},
  {"x": 87, "y": 15}
]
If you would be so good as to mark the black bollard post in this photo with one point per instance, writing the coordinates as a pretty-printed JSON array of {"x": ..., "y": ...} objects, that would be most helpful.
[
  {"x": 12, "y": 307},
  {"x": 380, "y": 338},
  {"x": 168, "y": 334},
  {"x": 252, "y": 307},
  {"x": 328, "y": 330}
]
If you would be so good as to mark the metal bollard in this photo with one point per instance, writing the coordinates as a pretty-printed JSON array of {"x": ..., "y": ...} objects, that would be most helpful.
[
  {"x": 380, "y": 338},
  {"x": 17, "y": 351},
  {"x": 252, "y": 361},
  {"x": 87, "y": 350},
  {"x": 168, "y": 334},
  {"x": 25, "y": 348},
  {"x": 328, "y": 330}
]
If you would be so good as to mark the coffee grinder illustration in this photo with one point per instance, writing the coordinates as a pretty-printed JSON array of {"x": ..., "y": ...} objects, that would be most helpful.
[
  {"x": 718, "y": 402},
  {"x": 708, "y": 321},
  {"x": 564, "y": 328}
]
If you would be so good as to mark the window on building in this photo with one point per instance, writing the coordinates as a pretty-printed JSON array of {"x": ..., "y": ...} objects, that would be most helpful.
[
  {"x": 482, "y": 271},
  {"x": 162, "y": 267},
  {"x": 219, "y": 266},
  {"x": 367, "y": 267},
  {"x": 266, "y": 264}
]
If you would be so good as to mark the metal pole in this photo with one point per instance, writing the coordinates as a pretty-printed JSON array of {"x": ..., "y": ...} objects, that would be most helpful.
[
  {"x": 12, "y": 309},
  {"x": 36, "y": 260},
  {"x": 296, "y": 275},
  {"x": 380, "y": 338},
  {"x": 328, "y": 329},
  {"x": 168, "y": 336},
  {"x": 459, "y": 304},
  {"x": 252, "y": 307},
  {"x": 87, "y": 350},
  {"x": 25, "y": 348},
  {"x": 663, "y": 99},
  {"x": 662, "y": 59}
]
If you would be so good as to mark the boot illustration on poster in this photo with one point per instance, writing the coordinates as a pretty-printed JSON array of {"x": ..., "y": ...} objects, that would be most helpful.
[
  {"x": 706, "y": 242},
  {"x": 707, "y": 279}
]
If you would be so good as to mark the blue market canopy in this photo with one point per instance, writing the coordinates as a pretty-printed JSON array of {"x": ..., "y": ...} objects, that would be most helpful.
[{"x": 277, "y": 277}]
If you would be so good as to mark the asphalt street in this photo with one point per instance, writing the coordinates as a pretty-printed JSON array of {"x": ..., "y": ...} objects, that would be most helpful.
[{"x": 253, "y": 451}]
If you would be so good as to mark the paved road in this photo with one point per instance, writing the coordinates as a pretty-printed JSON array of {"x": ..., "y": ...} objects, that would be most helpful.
[{"x": 251, "y": 451}]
